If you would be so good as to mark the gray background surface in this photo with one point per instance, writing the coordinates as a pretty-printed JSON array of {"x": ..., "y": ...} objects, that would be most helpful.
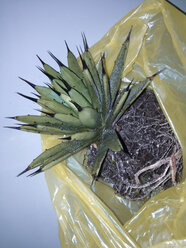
[{"x": 27, "y": 218}]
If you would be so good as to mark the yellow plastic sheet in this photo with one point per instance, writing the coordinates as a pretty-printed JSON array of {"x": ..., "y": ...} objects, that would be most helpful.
[{"x": 103, "y": 219}]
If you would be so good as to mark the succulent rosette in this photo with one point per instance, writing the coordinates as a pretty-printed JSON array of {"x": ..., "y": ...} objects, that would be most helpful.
[{"x": 81, "y": 105}]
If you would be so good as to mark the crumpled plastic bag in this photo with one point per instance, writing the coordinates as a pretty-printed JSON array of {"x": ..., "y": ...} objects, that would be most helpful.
[{"x": 103, "y": 219}]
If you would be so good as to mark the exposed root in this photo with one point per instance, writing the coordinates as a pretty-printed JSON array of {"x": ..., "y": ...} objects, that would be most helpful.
[
  {"x": 155, "y": 160},
  {"x": 169, "y": 172},
  {"x": 171, "y": 165},
  {"x": 173, "y": 168}
]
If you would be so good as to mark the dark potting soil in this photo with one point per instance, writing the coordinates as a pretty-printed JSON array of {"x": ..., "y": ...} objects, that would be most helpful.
[{"x": 155, "y": 160}]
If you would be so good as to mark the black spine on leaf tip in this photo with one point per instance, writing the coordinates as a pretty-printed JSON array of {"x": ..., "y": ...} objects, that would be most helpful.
[
  {"x": 24, "y": 171},
  {"x": 42, "y": 62},
  {"x": 27, "y": 97},
  {"x": 79, "y": 108},
  {"x": 17, "y": 128},
  {"x": 79, "y": 53},
  {"x": 102, "y": 63},
  {"x": 47, "y": 84},
  {"x": 58, "y": 93},
  {"x": 36, "y": 95},
  {"x": 29, "y": 83},
  {"x": 103, "y": 57},
  {"x": 81, "y": 50},
  {"x": 11, "y": 117},
  {"x": 66, "y": 138},
  {"x": 46, "y": 113},
  {"x": 85, "y": 67},
  {"x": 128, "y": 36},
  {"x": 66, "y": 90},
  {"x": 35, "y": 173},
  {"x": 47, "y": 74},
  {"x": 82, "y": 61},
  {"x": 60, "y": 64},
  {"x": 128, "y": 86},
  {"x": 155, "y": 74},
  {"x": 103, "y": 70},
  {"x": 29, "y": 125},
  {"x": 85, "y": 43},
  {"x": 66, "y": 85},
  {"x": 68, "y": 49}
]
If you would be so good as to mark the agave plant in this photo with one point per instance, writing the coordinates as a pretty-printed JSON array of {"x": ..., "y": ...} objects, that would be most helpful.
[{"x": 81, "y": 105}]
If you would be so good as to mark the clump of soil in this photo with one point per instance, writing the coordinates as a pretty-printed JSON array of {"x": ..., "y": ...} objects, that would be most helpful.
[{"x": 154, "y": 161}]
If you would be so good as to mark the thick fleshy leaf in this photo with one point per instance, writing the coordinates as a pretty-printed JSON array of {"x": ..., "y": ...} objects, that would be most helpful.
[
  {"x": 71, "y": 148},
  {"x": 68, "y": 119},
  {"x": 55, "y": 107},
  {"x": 90, "y": 118},
  {"x": 100, "y": 156},
  {"x": 39, "y": 120},
  {"x": 43, "y": 129},
  {"x": 87, "y": 57},
  {"x": 134, "y": 92},
  {"x": 58, "y": 130},
  {"x": 118, "y": 105},
  {"x": 93, "y": 70},
  {"x": 92, "y": 89},
  {"x": 79, "y": 98},
  {"x": 105, "y": 86},
  {"x": 73, "y": 63},
  {"x": 120, "y": 102},
  {"x": 116, "y": 75},
  {"x": 57, "y": 87},
  {"x": 82, "y": 136},
  {"x": 48, "y": 94},
  {"x": 61, "y": 83},
  {"x": 81, "y": 107},
  {"x": 54, "y": 124},
  {"x": 56, "y": 154},
  {"x": 48, "y": 69},
  {"x": 112, "y": 141},
  {"x": 46, "y": 155},
  {"x": 68, "y": 102},
  {"x": 73, "y": 80}
]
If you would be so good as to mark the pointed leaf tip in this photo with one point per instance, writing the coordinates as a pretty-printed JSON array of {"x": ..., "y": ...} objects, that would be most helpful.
[
  {"x": 11, "y": 117},
  {"x": 128, "y": 36},
  {"x": 26, "y": 81},
  {"x": 103, "y": 56},
  {"x": 35, "y": 173},
  {"x": 80, "y": 51},
  {"x": 35, "y": 95},
  {"x": 68, "y": 49},
  {"x": 17, "y": 128},
  {"x": 128, "y": 86},
  {"x": 157, "y": 73},
  {"x": 79, "y": 108},
  {"x": 85, "y": 43},
  {"x": 42, "y": 62},
  {"x": 80, "y": 54},
  {"x": 66, "y": 138},
  {"x": 27, "y": 97},
  {"x": 24, "y": 171},
  {"x": 46, "y": 73},
  {"x": 84, "y": 64},
  {"x": 60, "y": 64}
]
